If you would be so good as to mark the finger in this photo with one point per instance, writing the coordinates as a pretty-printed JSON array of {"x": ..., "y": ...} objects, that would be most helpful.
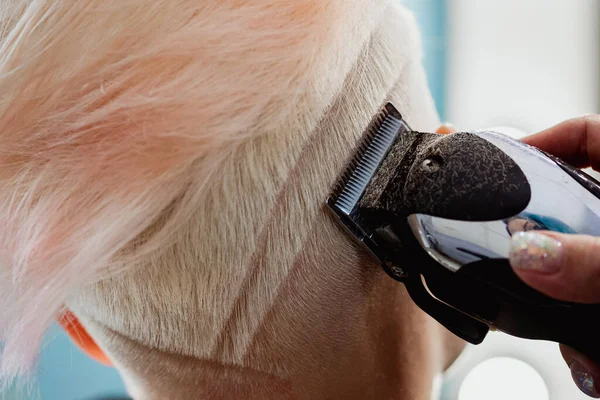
[
  {"x": 584, "y": 372},
  {"x": 565, "y": 267},
  {"x": 577, "y": 141},
  {"x": 446, "y": 129}
]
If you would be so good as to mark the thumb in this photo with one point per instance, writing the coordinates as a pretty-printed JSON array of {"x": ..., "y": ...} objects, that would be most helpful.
[{"x": 565, "y": 267}]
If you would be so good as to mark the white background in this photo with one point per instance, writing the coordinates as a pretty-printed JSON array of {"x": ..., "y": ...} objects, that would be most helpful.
[{"x": 524, "y": 63}]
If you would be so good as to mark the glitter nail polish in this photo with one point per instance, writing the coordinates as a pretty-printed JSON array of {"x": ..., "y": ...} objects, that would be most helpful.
[
  {"x": 583, "y": 379},
  {"x": 534, "y": 251}
]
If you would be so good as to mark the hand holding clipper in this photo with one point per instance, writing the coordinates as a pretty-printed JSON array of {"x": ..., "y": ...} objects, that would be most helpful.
[
  {"x": 567, "y": 266},
  {"x": 441, "y": 212}
]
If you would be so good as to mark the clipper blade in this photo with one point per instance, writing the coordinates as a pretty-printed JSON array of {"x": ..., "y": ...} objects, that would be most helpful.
[{"x": 376, "y": 143}]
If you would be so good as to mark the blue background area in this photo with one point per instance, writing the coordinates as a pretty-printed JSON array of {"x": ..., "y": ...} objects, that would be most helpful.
[
  {"x": 431, "y": 17},
  {"x": 67, "y": 374}
]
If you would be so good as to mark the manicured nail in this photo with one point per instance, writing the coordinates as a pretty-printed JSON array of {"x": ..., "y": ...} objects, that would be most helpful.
[
  {"x": 583, "y": 379},
  {"x": 534, "y": 251}
]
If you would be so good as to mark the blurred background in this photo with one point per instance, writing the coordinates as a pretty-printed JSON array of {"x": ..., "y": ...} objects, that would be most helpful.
[{"x": 525, "y": 64}]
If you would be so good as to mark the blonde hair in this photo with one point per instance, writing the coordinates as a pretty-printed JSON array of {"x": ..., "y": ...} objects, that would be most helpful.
[{"x": 119, "y": 118}]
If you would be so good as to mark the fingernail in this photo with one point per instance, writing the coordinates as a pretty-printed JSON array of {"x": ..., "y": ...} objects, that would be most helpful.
[
  {"x": 533, "y": 251},
  {"x": 583, "y": 379}
]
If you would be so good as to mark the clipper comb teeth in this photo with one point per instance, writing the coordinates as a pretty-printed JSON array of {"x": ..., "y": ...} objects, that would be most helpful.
[{"x": 376, "y": 142}]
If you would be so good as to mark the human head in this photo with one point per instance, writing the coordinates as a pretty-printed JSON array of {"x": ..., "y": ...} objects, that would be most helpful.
[{"x": 164, "y": 165}]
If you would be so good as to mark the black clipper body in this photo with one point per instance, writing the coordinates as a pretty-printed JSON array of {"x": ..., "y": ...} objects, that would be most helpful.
[{"x": 438, "y": 212}]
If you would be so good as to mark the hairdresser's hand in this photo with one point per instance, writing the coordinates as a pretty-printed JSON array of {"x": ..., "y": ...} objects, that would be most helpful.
[{"x": 566, "y": 267}]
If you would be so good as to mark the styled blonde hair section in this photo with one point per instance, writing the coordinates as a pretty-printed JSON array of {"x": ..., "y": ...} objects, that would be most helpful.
[{"x": 119, "y": 117}]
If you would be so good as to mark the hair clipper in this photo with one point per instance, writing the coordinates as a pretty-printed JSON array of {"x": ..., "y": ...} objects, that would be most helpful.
[{"x": 438, "y": 212}]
